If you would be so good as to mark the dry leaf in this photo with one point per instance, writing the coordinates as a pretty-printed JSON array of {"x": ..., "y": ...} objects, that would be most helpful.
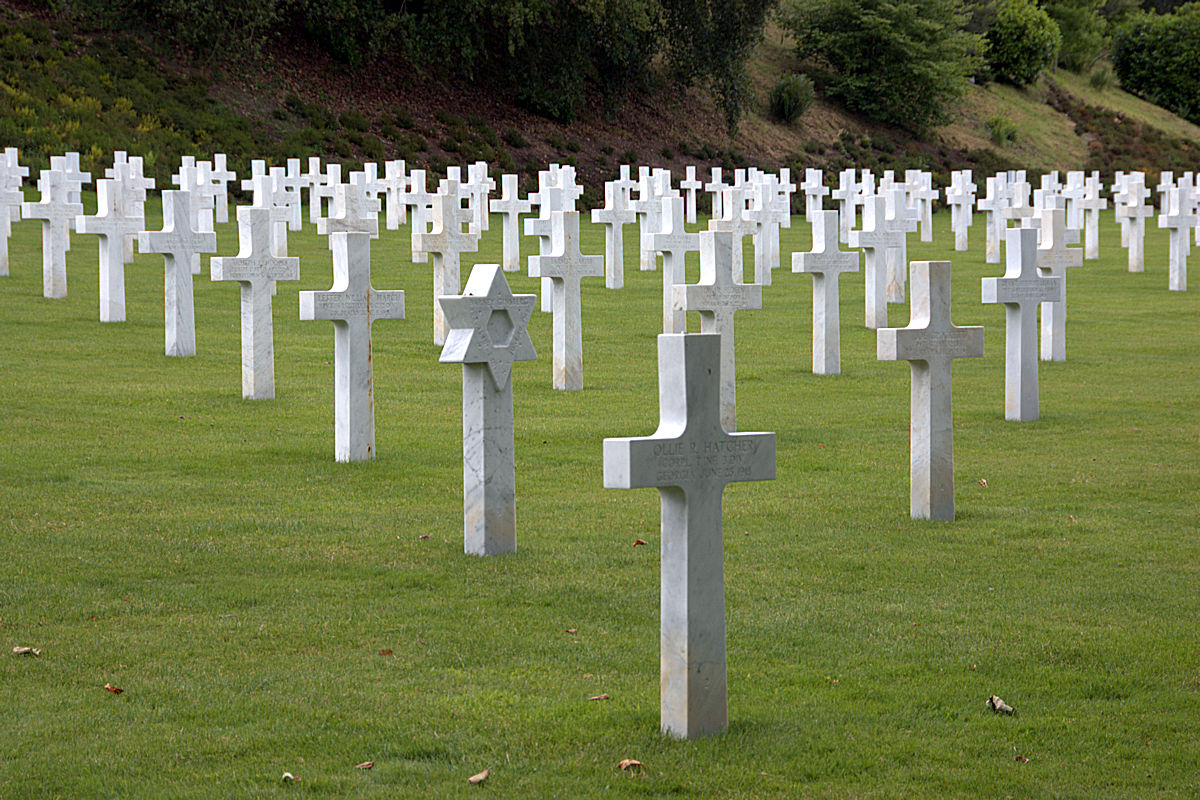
[
  {"x": 600, "y": 697},
  {"x": 572, "y": 630},
  {"x": 387, "y": 651},
  {"x": 983, "y": 482},
  {"x": 638, "y": 542},
  {"x": 629, "y": 763},
  {"x": 109, "y": 687},
  {"x": 424, "y": 536},
  {"x": 365, "y": 765},
  {"x": 26, "y": 651},
  {"x": 999, "y": 706},
  {"x": 1021, "y": 759},
  {"x": 289, "y": 777},
  {"x": 479, "y": 777}
]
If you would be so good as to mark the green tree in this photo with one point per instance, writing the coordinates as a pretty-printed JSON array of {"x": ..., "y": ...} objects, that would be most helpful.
[
  {"x": 1158, "y": 58},
  {"x": 1083, "y": 29},
  {"x": 1021, "y": 41},
  {"x": 900, "y": 61}
]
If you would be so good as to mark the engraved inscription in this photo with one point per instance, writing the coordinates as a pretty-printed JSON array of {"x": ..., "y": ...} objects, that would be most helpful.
[{"x": 681, "y": 463}]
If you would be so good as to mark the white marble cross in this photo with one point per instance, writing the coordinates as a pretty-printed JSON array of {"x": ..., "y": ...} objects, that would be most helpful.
[
  {"x": 875, "y": 240},
  {"x": 256, "y": 267},
  {"x": 1053, "y": 259},
  {"x": 674, "y": 242},
  {"x": 488, "y": 332},
  {"x": 900, "y": 221},
  {"x": 1021, "y": 290},
  {"x": 477, "y": 189},
  {"x": 180, "y": 243},
  {"x": 446, "y": 241},
  {"x": 814, "y": 190},
  {"x": 718, "y": 296},
  {"x": 510, "y": 206},
  {"x": 314, "y": 181},
  {"x": 551, "y": 198},
  {"x": 76, "y": 178},
  {"x": 649, "y": 210},
  {"x": 113, "y": 228},
  {"x": 994, "y": 203},
  {"x": 716, "y": 187},
  {"x": 735, "y": 220},
  {"x": 1179, "y": 221},
  {"x": 12, "y": 177},
  {"x": 352, "y": 304},
  {"x": 1091, "y": 204},
  {"x": 930, "y": 343},
  {"x": 419, "y": 200},
  {"x": 221, "y": 176},
  {"x": 960, "y": 196},
  {"x": 1072, "y": 192},
  {"x": 57, "y": 214},
  {"x": 351, "y": 209},
  {"x": 395, "y": 182},
  {"x": 690, "y": 459},
  {"x": 826, "y": 263},
  {"x": 689, "y": 186},
  {"x": 1136, "y": 211},
  {"x": 921, "y": 195},
  {"x": 845, "y": 195},
  {"x": 614, "y": 216},
  {"x": 565, "y": 266}
]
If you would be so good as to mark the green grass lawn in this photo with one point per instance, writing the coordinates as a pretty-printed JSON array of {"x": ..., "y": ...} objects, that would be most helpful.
[{"x": 208, "y": 556}]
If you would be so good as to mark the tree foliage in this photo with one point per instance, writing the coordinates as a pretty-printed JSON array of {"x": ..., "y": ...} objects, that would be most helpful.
[
  {"x": 551, "y": 53},
  {"x": 1084, "y": 31},
  {"x": 900, "y": 61},
  {"x": 1158, "y": 58},
  {"x": 1021, "y": 41}
]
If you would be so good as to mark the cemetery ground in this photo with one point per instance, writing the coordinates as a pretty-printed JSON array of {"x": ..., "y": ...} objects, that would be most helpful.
[{"x": 265, "y": 609}]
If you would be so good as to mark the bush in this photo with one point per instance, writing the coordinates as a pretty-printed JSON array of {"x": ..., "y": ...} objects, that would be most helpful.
[
  {"x": 791, "y": 97},
  {"x": 515, "y": 138},
  {"x": 1083, "y": 31},
  {"x": 1158, "y": 59},
  {"x": 1002, "y": 130},
  {"x": 904, "y": 62},
  {"x": 1022, "y": 40},
  {"x": 1101, "y": 78}
]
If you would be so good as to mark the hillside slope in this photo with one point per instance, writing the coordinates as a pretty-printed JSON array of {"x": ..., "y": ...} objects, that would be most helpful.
[{"x": 67, "y": 89}]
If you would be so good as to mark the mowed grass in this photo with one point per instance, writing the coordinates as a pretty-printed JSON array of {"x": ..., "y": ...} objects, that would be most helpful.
[{"x": 208, "y": 556}]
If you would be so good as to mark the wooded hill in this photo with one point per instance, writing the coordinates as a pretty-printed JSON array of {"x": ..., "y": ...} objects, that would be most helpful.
[{"x": 74, "y": 82}]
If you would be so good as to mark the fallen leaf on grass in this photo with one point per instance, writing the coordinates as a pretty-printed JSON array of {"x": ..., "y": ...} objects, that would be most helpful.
[
  {"x": 365, "y": 765},
  {"x": 110, "y": 688},
  {"x": 26, "y": 651},
  {"x": 1021, "y": 759},
  {"x": 629, "y": 763},
  {"x": 572, "y": 630},
  {"x": 387, "y": 651},
  {"x": 638, "y": 542},
  {"x": 983, "y": 482},
  {"x": 424, "y": 536},
  {"x": 479, "y": 777},
  {"x": 289, "y": 777},
  {"x": 600, "y": 697},
  {"x": 999, "y": 706}
]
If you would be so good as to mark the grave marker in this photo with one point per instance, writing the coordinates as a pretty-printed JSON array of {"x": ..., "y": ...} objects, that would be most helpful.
[
  {"x": 180, "y": 242},
  {"x": 510, "y": 205},
  {"x": 826, "y": 263},
  {"x": 57, "y": 214},
  {"x": 113, "y": 228},
  {"x": 446, "y": 241},
  {"x": 615, "y": 215},
  {"x": 690, "y": 459},
  {"x": 1053, "y": 259},
  {"x": 565, "y": 265},
  {"x": 674, "y": 243},
  {"x": 256, "y": 268},
  {"x": 1021, "y": 290},
  {"x": 487, "y": 334},
  {"x": 718, "y": 296},
  {"x": 930, "y": 343}
]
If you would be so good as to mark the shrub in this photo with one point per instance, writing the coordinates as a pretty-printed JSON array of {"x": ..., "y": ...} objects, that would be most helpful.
[
  {"x": 1022, "y": 40},
  {"x": 904, "y": 62},
  {"x": 1158, "y": 59},
  {"x": 1002, "y": 130},
  {"x": 667, "y": 152},
  {"x": 1101, "y": 78},
  {"x": 515, "y": 138},
  {"x": 791, "y": 97},
  {"x": 1083, "y": 31}
]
